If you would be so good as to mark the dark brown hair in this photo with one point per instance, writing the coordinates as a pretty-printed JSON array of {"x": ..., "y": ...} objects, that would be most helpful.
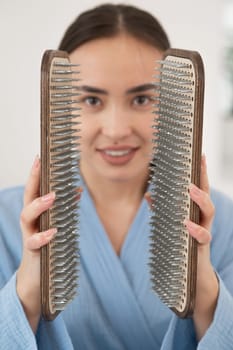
[{"x": 108, "y": 20}]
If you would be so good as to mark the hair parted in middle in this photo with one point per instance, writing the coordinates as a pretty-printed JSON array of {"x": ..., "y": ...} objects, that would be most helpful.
[{"x": 109, "y": 20}]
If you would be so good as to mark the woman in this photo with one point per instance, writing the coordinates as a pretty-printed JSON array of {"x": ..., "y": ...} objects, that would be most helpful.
[{"x": 117, "y": 46}]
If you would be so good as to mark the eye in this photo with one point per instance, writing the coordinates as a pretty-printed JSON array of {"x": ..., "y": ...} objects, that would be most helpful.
[
  {"x": 91, "y": 101},
  {"x": 142, "y": 100}
]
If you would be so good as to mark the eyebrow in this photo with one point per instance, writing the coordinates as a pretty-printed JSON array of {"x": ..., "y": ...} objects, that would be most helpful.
[
  {"x": 135, "y": 89},
  {"x": 141, "y": 88}
]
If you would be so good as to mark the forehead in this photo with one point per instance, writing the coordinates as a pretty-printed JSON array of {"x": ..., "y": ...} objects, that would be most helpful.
[{"x": 117, "y": 60}]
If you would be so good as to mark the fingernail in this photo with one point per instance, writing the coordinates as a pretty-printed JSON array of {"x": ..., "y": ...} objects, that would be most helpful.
[
  {"x": 48, "y": 197},
  {"x": 50, "y": 232},
  {"x": 186, "y": 221},
  {"x": 203, "y": 161},
  {"x": 36, "y": 162},
  {"x": 189, "y": 224},
  {"x": 148, "y": 198},
  {"x": 194, "y": 189},
  {"x": 79, "y": 189}
]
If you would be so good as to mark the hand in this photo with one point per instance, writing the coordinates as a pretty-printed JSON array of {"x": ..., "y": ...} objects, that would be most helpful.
[
  {"x": 207, "y": 282},
  {"x": 28, "y": 274}
]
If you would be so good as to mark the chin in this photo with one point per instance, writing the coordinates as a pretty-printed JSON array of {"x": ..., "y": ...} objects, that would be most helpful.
[{"x": 125, "y": 177}]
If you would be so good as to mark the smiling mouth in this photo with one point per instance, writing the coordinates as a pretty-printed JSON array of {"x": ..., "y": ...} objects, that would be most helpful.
[
  {"x": 117, "y": 153},
  {"x": 118, "y": 156}
]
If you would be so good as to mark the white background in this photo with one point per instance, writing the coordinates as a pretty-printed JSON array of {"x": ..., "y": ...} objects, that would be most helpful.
[{"x": 28, "y": 28}]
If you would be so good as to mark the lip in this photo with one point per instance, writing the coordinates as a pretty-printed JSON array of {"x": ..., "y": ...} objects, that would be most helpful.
[{"x": 113, "y": 156}]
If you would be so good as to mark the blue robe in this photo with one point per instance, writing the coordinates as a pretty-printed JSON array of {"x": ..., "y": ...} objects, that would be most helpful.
[{"x": 115, "y": 308}]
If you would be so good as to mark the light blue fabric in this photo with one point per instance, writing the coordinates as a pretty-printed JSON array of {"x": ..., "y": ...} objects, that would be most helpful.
[{"x": 115, "y": 308}]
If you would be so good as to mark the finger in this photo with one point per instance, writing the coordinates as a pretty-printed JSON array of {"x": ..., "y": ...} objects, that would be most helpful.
[
  {"x": 203, "y": 200},
  {"x": 32, "y": 186},
  {"x": 38, "y": 240},
  {"x": 204, "y": 181},
  {"x": 31, "y": 212},
  {"x": 198, "y": 232},
  {"x": 147, "y": 197},
  {"x": 79, "y": 191}
]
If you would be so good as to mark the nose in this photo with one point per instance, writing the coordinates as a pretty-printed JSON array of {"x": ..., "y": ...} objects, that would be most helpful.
[{"x": 117, "y": 123}]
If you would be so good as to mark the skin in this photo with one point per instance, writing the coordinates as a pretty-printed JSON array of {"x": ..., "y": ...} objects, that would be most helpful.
[{"x": 116, "y": 104}]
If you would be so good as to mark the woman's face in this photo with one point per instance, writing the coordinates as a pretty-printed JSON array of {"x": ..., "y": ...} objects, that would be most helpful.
[{"x": 117, "y": 103}]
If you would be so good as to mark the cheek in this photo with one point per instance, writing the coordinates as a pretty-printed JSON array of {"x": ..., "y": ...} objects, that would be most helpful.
[
  {"x": 145, "y": 127},
  {"x": 147, "y": 132},
  {"x": 87, "y": 133}
]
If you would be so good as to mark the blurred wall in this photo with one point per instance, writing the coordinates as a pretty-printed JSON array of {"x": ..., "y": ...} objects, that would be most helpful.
[{"x": 28, "y": 27}]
